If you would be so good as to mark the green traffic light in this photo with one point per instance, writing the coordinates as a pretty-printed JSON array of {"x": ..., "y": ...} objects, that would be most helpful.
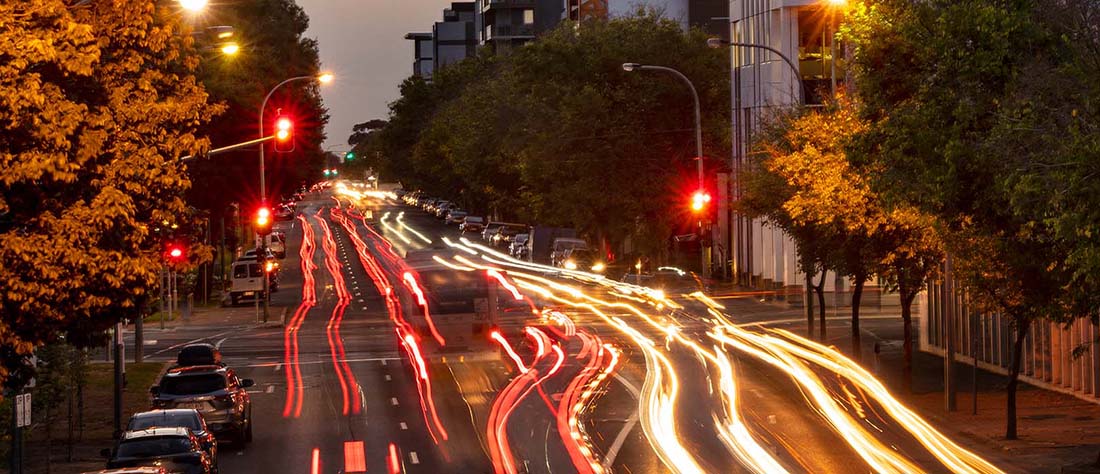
[{"x": 349, "y": 156}]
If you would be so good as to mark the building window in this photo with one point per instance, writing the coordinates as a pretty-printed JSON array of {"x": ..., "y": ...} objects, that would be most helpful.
[{"x": 528, "y": 17}]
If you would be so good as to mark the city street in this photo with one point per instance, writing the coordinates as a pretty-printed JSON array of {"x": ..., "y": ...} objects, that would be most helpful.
[{"x": 334, "y": 385}]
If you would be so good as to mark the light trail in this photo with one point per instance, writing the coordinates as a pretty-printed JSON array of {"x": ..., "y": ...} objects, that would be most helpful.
[
  {"x": 422, "y": 237},
  {"x": 344, "y": 373},
  {"x": 414, "y": 287},
  {"x": 495, "y": 335},
  {"x": 292, "y": 368},
  {"x": 393, "y": 460},
  {"x": 394, "y": 231}
]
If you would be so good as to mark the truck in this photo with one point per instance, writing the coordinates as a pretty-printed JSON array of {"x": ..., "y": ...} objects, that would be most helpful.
[{"x": 540, "y": 242}]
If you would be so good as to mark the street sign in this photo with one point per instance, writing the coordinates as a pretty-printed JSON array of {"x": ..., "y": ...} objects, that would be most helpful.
[{"x": 22, "y": 410}]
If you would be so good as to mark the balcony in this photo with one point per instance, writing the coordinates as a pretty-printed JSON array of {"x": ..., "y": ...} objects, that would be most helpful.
[{"x": 507, "y": 32}]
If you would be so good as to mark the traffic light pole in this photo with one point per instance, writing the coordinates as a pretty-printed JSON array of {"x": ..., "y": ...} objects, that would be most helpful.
[{"x": 224, "y": 149}]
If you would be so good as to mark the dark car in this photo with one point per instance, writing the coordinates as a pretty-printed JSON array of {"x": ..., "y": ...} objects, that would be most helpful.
[
  {"x": 178, "y": 418},
  {"x": 199, "y": 354},
  {"x": 585, "y": 260},
  {"x": 175, "y": 449},
  {"x": 216, "y": 393}
]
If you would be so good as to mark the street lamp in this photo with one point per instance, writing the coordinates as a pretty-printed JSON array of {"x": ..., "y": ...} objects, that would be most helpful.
[
  {"x": 323, "y": 78},
  {"x": 631, "y": 67},
  {"x": 715, "y": 43},
  {"x": 193, "y": 5}
]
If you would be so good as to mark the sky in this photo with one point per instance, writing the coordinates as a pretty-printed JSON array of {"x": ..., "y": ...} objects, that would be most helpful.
[{"x": 363, "y": 43}]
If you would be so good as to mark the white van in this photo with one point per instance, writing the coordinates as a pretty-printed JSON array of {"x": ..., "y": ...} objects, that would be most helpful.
[
  {"x": 248, "y": 281},
  {"x": 277, "y": 244}
]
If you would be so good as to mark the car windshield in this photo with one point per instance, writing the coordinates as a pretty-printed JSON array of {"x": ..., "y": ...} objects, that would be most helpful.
[
  {"x": 244, "y": 271},
  {"x": 509, "y": 230},
  {"x": 181, "y": 420},
  {"x": 153, "y": 446},
  {"x": 192, "y": 384},
  {"x": 583, "y": 255},
  {"x": 473, "y": 220},
  {"x": 521, "y": 237}
]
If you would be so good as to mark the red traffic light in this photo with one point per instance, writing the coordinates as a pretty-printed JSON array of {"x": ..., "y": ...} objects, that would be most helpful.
[
  {"x": 699, "y": 201},
  {"x": 263, "y": 221},
  {"x": 284, "y": 134},
  {"x": 174, "y": 252}
]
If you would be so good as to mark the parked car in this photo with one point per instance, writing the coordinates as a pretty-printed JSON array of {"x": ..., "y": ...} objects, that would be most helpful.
[
  {"x": 505, "y": 234},
  {"x": 472, "y": 224},
  {"x": 441, "y": 208},
  {"x": 277, "y": 244},
  {"x": 178, "y": 418},
  {"x": 584, "y": 259},
  {"x": 455, "y": 217},
  {"x": 490, "y": 230},
  {"x": 518, "y": 247},
  {"x": 214, "y": 391},
  {"x": 176, "y": 449},
  {"x": 563, "y": 245}
]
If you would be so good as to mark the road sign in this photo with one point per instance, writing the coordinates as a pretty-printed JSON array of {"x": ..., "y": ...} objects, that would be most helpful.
[{"x": 22, "y": 410}]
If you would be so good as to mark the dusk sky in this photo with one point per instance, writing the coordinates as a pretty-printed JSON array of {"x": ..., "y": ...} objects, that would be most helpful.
[{"x": 363, "y": 43}]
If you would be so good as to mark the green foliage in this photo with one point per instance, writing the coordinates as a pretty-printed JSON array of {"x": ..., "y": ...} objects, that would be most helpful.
[
  {"x": 96, "y": 104},
  {"x": 557, "y": 133}
]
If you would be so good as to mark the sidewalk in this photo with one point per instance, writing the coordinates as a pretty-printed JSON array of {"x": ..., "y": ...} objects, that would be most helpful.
[
  {"x": 1058, "y": 433},
  {"x": 228, "y": 316}
]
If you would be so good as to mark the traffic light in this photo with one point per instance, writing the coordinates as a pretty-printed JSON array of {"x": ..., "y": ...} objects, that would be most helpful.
[
  {"x": 349, "y": 156},
  {"x": 175, "y": 252},
  {"x": 328, "y": 172},
  {"x": 263, "y": 221},
  {"x": 700, "y": 202},
  {"x": 284, "y": 134}
]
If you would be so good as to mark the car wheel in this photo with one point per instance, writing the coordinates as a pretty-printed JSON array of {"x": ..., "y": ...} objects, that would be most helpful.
[{"x": 233, "y": 300}]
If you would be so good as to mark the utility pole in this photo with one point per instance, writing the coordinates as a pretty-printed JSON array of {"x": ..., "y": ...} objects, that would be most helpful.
[
  {"x": 119, "y": 378},
  {"x": 949, "y": 387}
]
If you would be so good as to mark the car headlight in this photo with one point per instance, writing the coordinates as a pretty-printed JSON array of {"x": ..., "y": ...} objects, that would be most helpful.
[
  {"x": 570, "y": 265},
  {"x": 599, "y": 267}
]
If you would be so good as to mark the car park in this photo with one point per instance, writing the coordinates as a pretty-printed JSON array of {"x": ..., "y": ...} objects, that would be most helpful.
[
  {"x": 181, "y": 418},
  {"x": 176, "y": 449},
  {"x": 216, "y": 392},
  {"x": 472, "y": 224}
]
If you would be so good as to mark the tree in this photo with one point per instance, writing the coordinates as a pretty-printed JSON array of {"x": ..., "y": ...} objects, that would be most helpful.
[
  {"x": 96, "y": 104},
  {"x": 973, "y": 134}
]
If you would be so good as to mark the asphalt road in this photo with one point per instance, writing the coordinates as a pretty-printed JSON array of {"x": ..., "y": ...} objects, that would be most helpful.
[{"x": 336, "y": 388}]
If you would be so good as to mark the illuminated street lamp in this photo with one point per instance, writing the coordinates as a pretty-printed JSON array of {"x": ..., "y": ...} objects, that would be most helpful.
[
  {"x": 230, "y": 49},
  {"x": 193, "y": 5}
]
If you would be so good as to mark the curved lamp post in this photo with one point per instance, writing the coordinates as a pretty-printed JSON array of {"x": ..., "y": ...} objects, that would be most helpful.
[{"x": 323, "y": 78}]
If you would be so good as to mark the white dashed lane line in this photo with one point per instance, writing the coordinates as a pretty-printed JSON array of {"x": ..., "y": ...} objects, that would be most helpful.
[{"x": 393, "y": 401}]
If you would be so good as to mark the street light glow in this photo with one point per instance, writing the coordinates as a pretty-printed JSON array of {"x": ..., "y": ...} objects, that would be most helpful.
[
  {"x": 193, "y": 5},
  {"x": 231, "y": 49},
  {"x": 630, "y": 67},
  {"x": 325, "y": 78}
]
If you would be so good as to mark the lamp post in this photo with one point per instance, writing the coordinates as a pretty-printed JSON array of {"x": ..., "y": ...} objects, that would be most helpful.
[
  {"x": 323, "y": 78},
  {"x": 261, "y": 255},
  {"x": 631, "y": 67}
]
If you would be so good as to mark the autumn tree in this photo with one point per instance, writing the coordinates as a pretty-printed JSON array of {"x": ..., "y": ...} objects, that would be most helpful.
[
  {"x": 97, "y": 102},
  {"x": 987, "y": 131}
]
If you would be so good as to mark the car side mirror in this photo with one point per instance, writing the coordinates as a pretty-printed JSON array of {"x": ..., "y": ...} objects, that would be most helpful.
[
  {"x": 247, "y": 383},
  {"x": 105, "y": 452},
  {"x": 155, "y": 390}
]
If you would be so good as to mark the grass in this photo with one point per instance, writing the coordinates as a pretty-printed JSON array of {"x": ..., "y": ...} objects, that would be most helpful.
[{"x": 98, "y": 419}]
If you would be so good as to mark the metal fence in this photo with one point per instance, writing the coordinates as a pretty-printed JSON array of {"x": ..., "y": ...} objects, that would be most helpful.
[{"x": 1048, "y": 357}]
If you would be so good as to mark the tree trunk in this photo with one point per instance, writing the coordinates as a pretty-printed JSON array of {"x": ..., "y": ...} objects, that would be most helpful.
[
  {"x": 907, "y": 298},
  {"x": 809, "y": 306},
  {"x": 857, "y": 295},
  {"x": 1022, "y": 328},
  {"x": 820, "y": 289}
]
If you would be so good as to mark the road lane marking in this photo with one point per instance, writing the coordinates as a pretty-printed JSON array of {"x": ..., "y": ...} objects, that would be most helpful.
[
  {"x": 388, "y": 378},
  {"x": 270, "y": 389},
  {"x": 413, "y": 458},
  {"x": 153, "y": 342},
  {"x": 393, "y": 401},
  {"x": 383, "y": 361},
  {"x": 218, "y": 345},
  {"x": 278, "y": 366},
  {"x": 355, "y": 457},
  {"x": 403, "y": 425}
]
